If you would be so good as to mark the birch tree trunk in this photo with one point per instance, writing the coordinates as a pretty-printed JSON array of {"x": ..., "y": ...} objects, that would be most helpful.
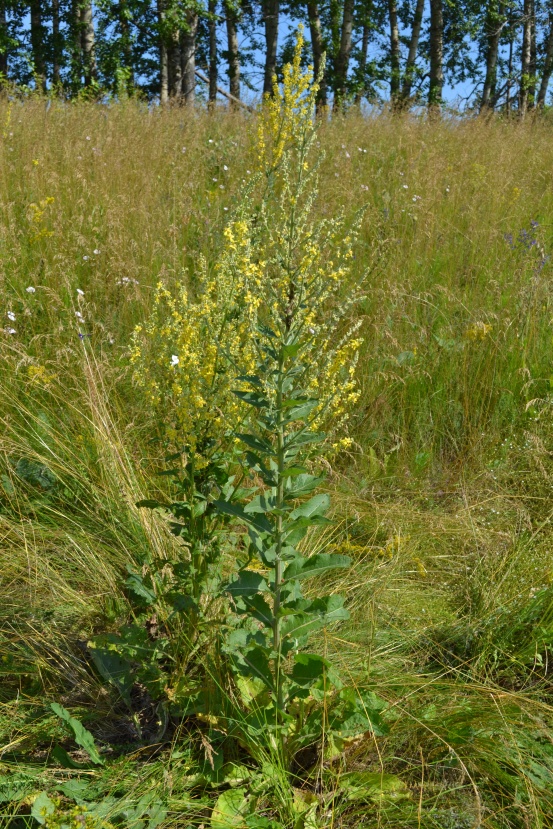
[
  {"x": 494, "y": 24},
  {"x": 342, "y": 60},
  {"x": 526, "y": 58},
  {"x": 37, "y": 43},
  {"x": 533, "y": 57},
  {"x": 316, "y": 33},
  {"x": 213, "y": 68},
  {"x": 410, "y": 64},
  {"x": 395, "y": 68},
  {"x": 233, "y": 56},
  {"x": 175, "y": 65},
  {"x": 435, "y": 92},
  {"x": 88, "y": 45},
  {"x": 126, "y": 43},
  {"x": 547, "y": 67},
  {"x": 271, "y": 11},
  {"x": 188, "y": 57},
  {"x": 163, "y": 56}
]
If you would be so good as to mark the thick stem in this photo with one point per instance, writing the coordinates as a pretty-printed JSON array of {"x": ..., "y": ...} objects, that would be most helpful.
[{"x": 277, "y": 643}]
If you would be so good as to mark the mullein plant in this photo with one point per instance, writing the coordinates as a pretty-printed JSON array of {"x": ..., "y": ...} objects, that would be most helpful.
[{"x": 255, "y": 375}]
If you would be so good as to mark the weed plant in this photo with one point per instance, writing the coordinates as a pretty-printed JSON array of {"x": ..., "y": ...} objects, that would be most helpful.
[{"x": 442, "y": 501}]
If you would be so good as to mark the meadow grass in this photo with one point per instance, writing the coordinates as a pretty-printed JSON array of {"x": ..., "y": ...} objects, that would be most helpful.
[{"x": 444, "y": 500}]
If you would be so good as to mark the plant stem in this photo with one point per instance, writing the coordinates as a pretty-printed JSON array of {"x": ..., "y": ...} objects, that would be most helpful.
[{"x": 277, "y": 645}]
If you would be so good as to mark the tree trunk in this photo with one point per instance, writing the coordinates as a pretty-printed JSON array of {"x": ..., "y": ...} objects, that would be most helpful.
[
  {"x": 213, "y": 67},
  {"x": 163, "y": 56},
  {"x": 3, "y": 40},
  {"x": 395, "y": 67},
  {"x": 410, "y": 65},
  {"x": 547, "y": 67},
  {"x": 271, "y": 11},
  {"x": 494, "y": 25},
  {"x": 233, "y": 56},
  {"x": 362, "y": 63},
  {"x": 342, "y": 60},
  {"x": 88, "y": 45},
  {"x": 317, "y": 47},
  {"x": 188, "y": 57},
  {"x": 37, "y": 44},
  {"x": 533, "y": 56},
  {"x": 56, "y": 44},
  {"x": 526, "y": 58},
  {"x": 175, "y": 65},
  {"x": 436, "y": 54}
]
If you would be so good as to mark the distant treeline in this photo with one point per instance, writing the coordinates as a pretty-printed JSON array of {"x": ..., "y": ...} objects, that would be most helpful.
[{"x": 401, "y": 51}]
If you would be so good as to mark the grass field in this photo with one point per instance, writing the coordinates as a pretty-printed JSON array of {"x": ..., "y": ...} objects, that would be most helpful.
[{"x": 443, "y": 500}]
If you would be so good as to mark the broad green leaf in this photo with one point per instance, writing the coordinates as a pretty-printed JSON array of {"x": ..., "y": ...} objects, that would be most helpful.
[
  {"x": 321, "y": 613},
  {"x": 302, "y": 438},
  {"x": 258, "y": 521},
  {"x": 300, "y": 412},
  {"x": 230, "y": 810},
  {"x": 148, "y": 503},
  {"x": 308, "y": 668},
  {"x": 375, "y": 786},
  {"x": 256, "y": 663},
  {"x": 256, "y": 443},
  {"x": 306, "y": 568},
  {"x": 83, "y": 737},
  {"x": 136, "y": 584},
  {"x": 260, "y": 610},
  {"x": 260, "y": 504},
  {"x": 111, "y": 666},
  {"x": 253, "y": 398},
  {"x": 303, "y": 484},
  {"x": 42, "y": 808},
  {"x": 248, "y": 583},
  {"x": 317, "y": 505}
]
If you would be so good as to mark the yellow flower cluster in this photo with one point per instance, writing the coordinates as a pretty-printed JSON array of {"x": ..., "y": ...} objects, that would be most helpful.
[
  {"x": 285, "y": 115},
  {"x": 37, "y": 214},
  {"x": 277, "y": 268},
  {"x": 478, "y": 331},
  {"x": 40, "y": 376},
  {"x": 183, "y": 354}
]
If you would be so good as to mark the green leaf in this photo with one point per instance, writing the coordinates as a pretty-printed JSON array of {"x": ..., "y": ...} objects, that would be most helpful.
[
  {"x": 253, "y": 399},
  {"x": 248, "y": 583},
  {"x": 303, "y": 484},
  {"x": 259, "y": 522},
  {"x": 317, "y": 505},
  {"x": 83, "y": 737},
  {"x": 111, "y": 666},
  {"x": 62, "y": 757},
  {"x": 260, "y": 610},
  {"x": 300, "y": 412},
  {"x": 255, "y": 443},
  {"x": 306, "y": 568},
  {"x": 319, "y": 614},
  {"x": 148, "y": 503},
  {"x": 375, "y": 786},
  {"x": 135, "y": 583},
  {"x": 230, "y": 810},
  {"x": 42, "y": 808},
  {"x": 260, "y": 504},
  {"x": 302, "y": 438},
  {"x": 256, "y": 664},
  {"x": 308, "y": 668}
]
